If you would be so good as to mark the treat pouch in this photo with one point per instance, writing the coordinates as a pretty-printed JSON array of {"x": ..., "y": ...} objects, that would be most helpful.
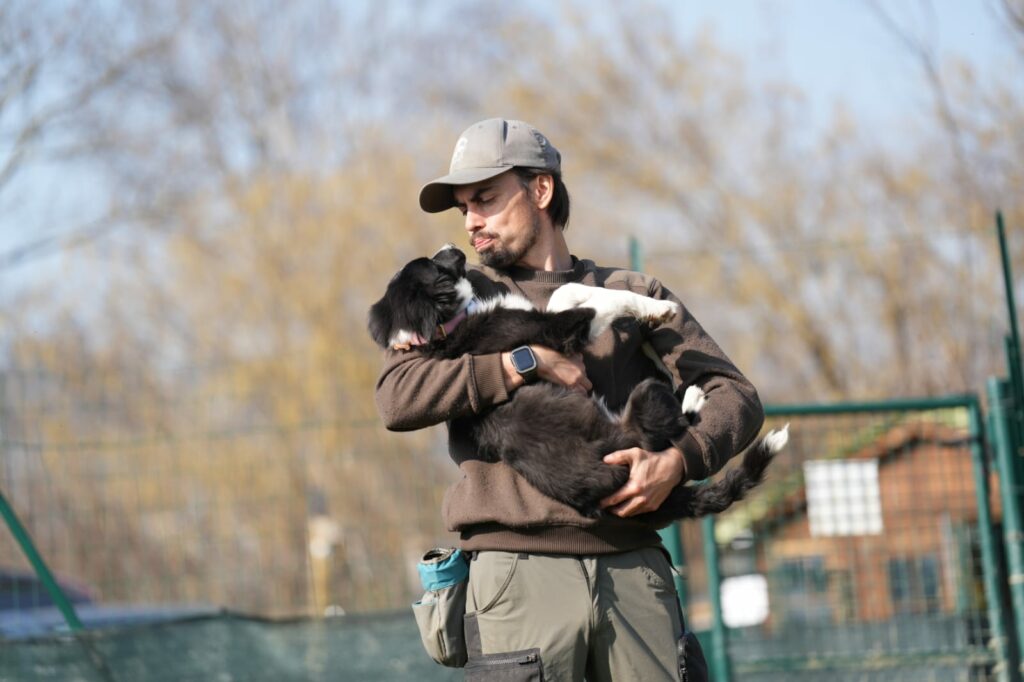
[{"x": 444, "y": 573}]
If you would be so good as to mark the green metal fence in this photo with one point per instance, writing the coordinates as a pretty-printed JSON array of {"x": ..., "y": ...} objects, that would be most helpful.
[
  {"x": 228, "y": 507},
  {"x": 380, "y": 647},
  {"x": 902, "y": 574},
  {"x": 871, "y": 552},
  {"x": 886, "y": 544}
]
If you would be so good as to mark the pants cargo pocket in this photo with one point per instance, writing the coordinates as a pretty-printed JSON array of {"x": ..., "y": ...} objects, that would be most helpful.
[
  {"x": 692, "y": 666},
  {"x": 515, "y": 666},
  {"x": 510, "y": 666}
]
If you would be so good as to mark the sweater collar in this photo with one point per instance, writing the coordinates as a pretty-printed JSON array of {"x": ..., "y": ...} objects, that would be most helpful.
[{"x": 518, "y": 274}]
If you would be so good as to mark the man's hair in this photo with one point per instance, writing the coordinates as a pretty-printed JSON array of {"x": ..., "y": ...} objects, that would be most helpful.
[{"x": 558, "y": 209}]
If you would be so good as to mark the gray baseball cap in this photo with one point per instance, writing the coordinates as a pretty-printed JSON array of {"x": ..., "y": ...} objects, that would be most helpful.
[{"x": 487, "y": 149}]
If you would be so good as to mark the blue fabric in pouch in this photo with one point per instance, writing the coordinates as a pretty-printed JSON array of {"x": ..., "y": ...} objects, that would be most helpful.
[
  {"x": 444, "y": 573},
  {"x": 441, "y": 568}
]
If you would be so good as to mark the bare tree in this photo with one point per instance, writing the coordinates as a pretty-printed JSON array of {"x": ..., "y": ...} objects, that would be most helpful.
[{"x": 54, "y": 64}]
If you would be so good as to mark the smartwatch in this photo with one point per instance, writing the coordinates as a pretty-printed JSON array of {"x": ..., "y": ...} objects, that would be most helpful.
[{"x": 525, "y": 363}]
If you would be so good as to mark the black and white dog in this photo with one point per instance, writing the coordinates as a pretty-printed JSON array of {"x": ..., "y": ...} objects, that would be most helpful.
[{"x": 556, "y": 439}]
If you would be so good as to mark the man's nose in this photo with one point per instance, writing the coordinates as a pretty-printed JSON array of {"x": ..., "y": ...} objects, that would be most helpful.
[{"x": 474, "y": 221}]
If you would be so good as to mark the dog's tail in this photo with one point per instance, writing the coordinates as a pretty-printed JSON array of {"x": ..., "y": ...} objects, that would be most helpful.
[{"x": 697, "y": 501}]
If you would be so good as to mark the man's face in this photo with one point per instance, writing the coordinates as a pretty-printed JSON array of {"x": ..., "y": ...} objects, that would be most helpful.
[{"x": 502, "y": 221}]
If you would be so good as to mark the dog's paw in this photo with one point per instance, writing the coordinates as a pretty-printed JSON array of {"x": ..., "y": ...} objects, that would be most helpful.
[
  {"x": 694, "y": 400},
  {"x": 659, "y": 312}
]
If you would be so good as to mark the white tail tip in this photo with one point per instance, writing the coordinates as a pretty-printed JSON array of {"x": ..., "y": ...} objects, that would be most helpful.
[
  {"x": 694, "y": 400},
  {"x": 776, "y": 440}
]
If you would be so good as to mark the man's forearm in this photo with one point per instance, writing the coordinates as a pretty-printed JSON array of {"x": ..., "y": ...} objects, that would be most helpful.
[
  {"x": 552, "y": 367},
  {"x": 732, "y": 416},
  {"x": 730, "y": 420},
  {"x": 414, "y": 392}
]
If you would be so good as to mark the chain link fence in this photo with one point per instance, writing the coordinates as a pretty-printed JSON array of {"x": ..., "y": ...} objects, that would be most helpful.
[{"x": 872, "y": 551}]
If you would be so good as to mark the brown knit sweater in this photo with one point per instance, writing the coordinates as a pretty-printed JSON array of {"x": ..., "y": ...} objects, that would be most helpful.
[{"x": 491, "y": 506}]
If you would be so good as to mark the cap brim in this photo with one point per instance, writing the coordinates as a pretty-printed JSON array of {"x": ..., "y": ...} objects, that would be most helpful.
[{"x": 437, "y": 196}]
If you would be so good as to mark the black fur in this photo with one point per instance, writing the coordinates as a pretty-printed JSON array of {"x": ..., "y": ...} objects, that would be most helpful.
[{"x": 554, "y": 438}]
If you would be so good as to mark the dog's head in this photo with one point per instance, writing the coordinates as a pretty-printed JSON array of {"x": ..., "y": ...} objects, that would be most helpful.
[{"x": 425, "y": 293}]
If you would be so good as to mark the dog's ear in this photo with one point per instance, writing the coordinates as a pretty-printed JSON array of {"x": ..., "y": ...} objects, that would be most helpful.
[
  {"x": 420, "y": 314},
  {"x": 452, "y": 260},
  {"x": 379, "y": 322}
]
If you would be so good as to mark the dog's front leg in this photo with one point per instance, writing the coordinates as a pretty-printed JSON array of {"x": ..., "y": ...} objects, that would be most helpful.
[{"x": 610, "y": 304}]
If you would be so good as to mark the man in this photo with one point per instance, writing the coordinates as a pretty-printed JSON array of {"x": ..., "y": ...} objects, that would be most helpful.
[{"x": 577, "y": 596}]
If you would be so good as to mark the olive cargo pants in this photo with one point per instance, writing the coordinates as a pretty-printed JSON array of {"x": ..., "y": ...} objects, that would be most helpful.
[{"x": 600, "y": 617}]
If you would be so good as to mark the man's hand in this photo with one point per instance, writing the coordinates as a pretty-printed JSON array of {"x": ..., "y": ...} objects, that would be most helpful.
[
  {"x": 552, "y": 367},
  {"x": 652, "y": 475}
]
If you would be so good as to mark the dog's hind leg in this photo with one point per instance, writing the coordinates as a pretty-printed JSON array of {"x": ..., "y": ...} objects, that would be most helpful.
[
  {"x": 611, "y": 304},
  {"x": 653, "y": 416}
]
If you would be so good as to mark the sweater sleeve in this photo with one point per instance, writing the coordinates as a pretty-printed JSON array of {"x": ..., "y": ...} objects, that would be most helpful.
[
  {"x": 415, "y": 391},
  {"x": 732, "y": 416}
]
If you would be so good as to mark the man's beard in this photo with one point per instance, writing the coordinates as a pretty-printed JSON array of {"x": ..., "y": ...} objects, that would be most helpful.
[{"x": 501, "y": 257}]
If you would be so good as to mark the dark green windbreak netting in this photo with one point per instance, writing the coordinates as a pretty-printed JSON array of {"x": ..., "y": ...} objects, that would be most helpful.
[{"x": 230, "y": 648}]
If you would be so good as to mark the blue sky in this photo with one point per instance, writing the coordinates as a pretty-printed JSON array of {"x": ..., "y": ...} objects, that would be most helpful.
[{"x": 838, "y": 49}]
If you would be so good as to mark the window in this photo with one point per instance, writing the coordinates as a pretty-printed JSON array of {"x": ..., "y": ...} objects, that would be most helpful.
[
  {"x": 804, "y": 575},
  {"x": 843, "y": 497},
  {"x": 800, "y": 591},
  {"x": 914, "y": 584}
]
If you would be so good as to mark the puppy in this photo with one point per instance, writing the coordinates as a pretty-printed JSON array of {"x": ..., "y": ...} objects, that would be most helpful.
[{"x": 555, "y": 438}]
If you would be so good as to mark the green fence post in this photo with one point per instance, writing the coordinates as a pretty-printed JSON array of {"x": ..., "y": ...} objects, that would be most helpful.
[
  {"x": 719, "y": 659},
  {"x": 670, "y": 538},
  {"x": 1014, "y": 403},
  {"x": 28, "y": 547},
  {"x": 1012, "y": 348},
  {"x": 1013, "y": 342},
  {"x": 636, "y": 260},
  {"x": 1002, "y": 441},
  {"x": 670, "y": 535},
  {"x": 1005, "y": 649}
]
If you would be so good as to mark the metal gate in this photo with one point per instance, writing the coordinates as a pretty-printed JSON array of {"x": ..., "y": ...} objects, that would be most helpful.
[
  {"x": 886, "y": 544},
  {"x": 871, "y": 552}
]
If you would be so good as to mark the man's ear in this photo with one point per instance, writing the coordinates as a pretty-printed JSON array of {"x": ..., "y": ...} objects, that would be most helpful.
[
  {"x": 543, "y": 190},
  {"x": 451, "y": 259}
]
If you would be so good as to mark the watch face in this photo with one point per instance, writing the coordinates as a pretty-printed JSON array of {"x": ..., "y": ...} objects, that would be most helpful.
[{"x": 523, "y": 359}]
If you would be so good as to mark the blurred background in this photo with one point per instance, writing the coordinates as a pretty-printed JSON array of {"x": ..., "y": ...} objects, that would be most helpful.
[{"x": 199, "y": 201}]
